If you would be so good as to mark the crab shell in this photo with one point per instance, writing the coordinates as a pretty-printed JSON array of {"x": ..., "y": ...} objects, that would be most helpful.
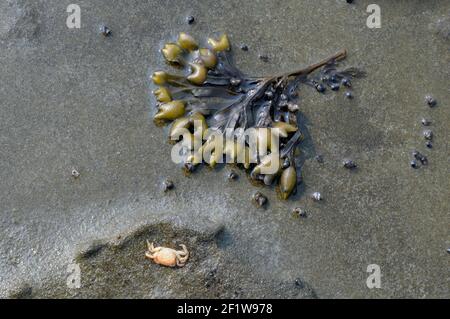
[{"x": 167, "y": 256}]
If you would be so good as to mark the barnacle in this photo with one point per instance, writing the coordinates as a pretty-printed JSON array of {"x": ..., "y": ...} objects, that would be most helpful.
[{"x": 213, "y": 96}]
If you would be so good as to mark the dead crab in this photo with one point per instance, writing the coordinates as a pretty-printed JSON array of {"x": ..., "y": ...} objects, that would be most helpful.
[{"x": 167, "y": 256}]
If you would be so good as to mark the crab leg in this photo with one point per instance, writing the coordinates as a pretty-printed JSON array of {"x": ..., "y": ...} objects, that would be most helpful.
[
  {"x": 151, "y": 248},
  {"x": 182, "y": 255}
]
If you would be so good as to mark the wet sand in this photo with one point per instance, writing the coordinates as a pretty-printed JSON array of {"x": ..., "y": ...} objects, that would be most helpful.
[{"x": 74, "y": 99}]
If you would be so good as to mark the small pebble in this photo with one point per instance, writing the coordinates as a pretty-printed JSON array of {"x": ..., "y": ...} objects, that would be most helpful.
[
  {"x": 299, "y": 283},
  {"x": 349, "y": 1},
  {"x": 425, "y": 122},
  {"x": 420, "y": 157},
  {"x": 429, "y": 144},
  {"x": 448, "y": 250},
  {"x": 168, "y": 185},
  {"x": 298, "y": 212},
  {"x": 233, "y": 176},
  {"x": 105, "y": 31},
  {"x": 428, "y": 134},
  {"x": 334, "y": 86},
  {"x": 431, "y": 101},
  {"x": 316, "y": 196},
  {"x": 346, "y": 82},
  {"x": 349, "y": 164},
  {"x": 259, "y": 199},
  {"x": 263, "y": 57},
  {"x": 348, "y": 95},
  {"x": 244, "y": 47},
  {"x": 286, "y": 163},
  {"x": 190, "y": 19},
  {"x": 320, "y": 87},
  {"x": 319, "y": 158},
  {"x": 75, "y": 173},
  {"x": 413, "y": 164}
]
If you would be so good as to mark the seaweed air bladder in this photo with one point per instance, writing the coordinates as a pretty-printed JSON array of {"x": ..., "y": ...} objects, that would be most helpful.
[{"x": 218, "y": 114}]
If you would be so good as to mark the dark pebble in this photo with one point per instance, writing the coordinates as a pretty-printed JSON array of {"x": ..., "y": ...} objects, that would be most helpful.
[
  {"x": 346, "y": 82},
  {"x": 429, "y": 144},
  {"x": 320, "y": 88},
  {"x": 286, "y": 163},
  {"x": 428, "y": 134},
  {"x": 431, "y": 101},
  {"x": 168, "y": 185},
  {"x": 420, "y": 157},
  {"x": 413, "y": 164},
  {"x": 244, "y": 47},
  {"x": 349, "y": 1},
  {"x": 348, "y": 95},
  {"x": 299, "y": 283},
  {"x": 259, "y": 199},
  {"x": 105, "y": 31},
  {"x": 298, "y": 212},
  {"x": 349, "y": 164},
  {"x": 319, "y": 158},
  {"x": 334, "y": 86},
  {"x": 233, "y": 176},
  {"x": 425, "y": 122},
  {"x": 190, "y": 19},
  {"x": 263, "y": 57}
]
